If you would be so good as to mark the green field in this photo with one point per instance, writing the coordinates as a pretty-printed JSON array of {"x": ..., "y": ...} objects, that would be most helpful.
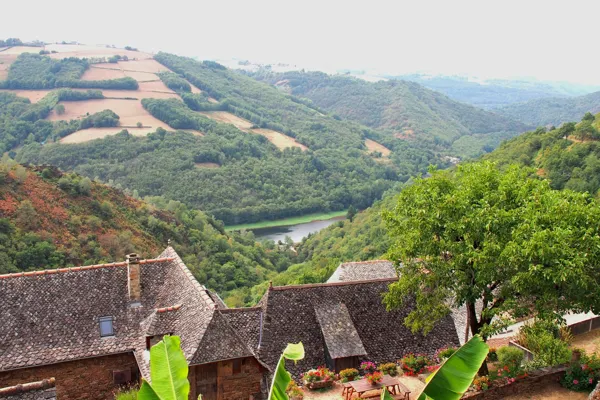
[{"x": 287, "y": 221}]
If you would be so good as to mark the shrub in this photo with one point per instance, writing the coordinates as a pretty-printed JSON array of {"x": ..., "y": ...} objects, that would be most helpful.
[
  {"x": 126, "y": 394},
  {"x": 368, "y": 367},
  {"x": 492, "y": 356},
  {"x": 579, "y": 378},
  {"x": 388, "y": 368},
  {"x": 545, "y": 340},
  {"x": 413, "y": 365},
  {"x": 481, "y": 383},
  {"x": 294, "y": 391},
  {"x": 510, "y": 356},
  {"x": 348, "y": 374},
  {"x": 318, "y": 375},
  {"x": 445, "y": 353},
  {"x": 375, "y": 377}
]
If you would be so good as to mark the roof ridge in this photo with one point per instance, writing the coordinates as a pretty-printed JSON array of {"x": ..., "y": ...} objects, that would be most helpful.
[
  {"x": 200, "y": 288},
  {"x": 239, "y": 309},
  {"x": 315, "y": 285},
  {"x": 27, "y": 387},
  {"x": 170, "y": 308},
  {"x": 366, "y": 262},
  {"x": 81, "y": 268}
]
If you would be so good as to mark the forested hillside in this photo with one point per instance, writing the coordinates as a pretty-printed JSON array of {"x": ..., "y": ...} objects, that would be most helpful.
[
  {"x": 569, "y": 157},
  {"x": 235, "y": 173},
  {"x": 494, "y": 93},
  {"x": 49, "y": 219},
  {"x": 401, "y": 109},
  {"x": 553, "y": 111}
]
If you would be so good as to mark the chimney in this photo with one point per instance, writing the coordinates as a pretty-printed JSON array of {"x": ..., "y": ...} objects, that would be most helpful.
[{"x": 133, "y": 277}]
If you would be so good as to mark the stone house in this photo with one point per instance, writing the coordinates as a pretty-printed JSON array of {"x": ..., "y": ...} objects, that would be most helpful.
[{"x": 91, "y": 327}]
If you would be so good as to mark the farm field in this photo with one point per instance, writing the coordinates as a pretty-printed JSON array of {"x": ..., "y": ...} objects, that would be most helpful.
[
  {"x": 279, "y": 139},
  {"x": 130, "y": 112},
  {"x": 141, "y": 76},
  {"x": 33, "y": 95},
  {"x": 374, "y": 146},
  {"x": 36, "y": 95},
  {"x": 228, "y": 118},
  {"x": 89, "y": 51},
  {"x": 16, "y": 50},
  {"x": 86, "y": 135},
  {"x": 157, "y": 86},
  {"x": 97, "y": 74}
]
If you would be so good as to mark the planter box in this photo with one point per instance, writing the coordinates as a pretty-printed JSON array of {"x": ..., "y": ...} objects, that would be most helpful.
[{"x": 318, "y": 384}]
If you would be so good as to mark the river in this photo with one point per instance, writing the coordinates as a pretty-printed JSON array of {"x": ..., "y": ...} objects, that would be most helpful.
[{"x": 296, "y": 232}]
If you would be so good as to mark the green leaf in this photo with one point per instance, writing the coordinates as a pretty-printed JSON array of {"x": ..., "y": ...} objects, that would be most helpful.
[
  {"x": 455, "y": 376},
  {"x": 169, "y": 370},
  {"x": 385, "y": 395},
  {"x": 282, "y": 378}
]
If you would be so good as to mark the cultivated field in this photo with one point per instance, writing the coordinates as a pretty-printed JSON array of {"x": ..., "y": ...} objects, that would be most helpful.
[
  {"x": 228, "y": 118},
  {"x": 91, "y": 51},
  {"x": 33, "y": 95},
  {"x": 130, "y": 112},
  {"x": 16, "y": 50},
  {"x": 156, "y": 86},
  {"x": 206, "y": 165},
  {"x": 86, "y": 135},
  {"x": 195, "y": 89},
  {"x": 98, "y": 74},
  {"x": 374, "y": 146},
  {"x": 141, "y": 76},
  {"x": 151, "y": 66},
  {"x": 279, "y": 139}
]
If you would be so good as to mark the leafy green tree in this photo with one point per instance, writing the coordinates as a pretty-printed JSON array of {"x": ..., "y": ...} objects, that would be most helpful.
[
  {"x": 588, "y": 117},
  {"x": 505, "y": 239},
  {"x": 351, "y": 213},
  {"x": 59, "y": 109}
]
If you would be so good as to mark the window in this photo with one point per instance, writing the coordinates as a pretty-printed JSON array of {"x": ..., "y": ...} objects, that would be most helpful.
[
  {"x": 106, "y": 326},
  {"x": 237, "y": 366}
]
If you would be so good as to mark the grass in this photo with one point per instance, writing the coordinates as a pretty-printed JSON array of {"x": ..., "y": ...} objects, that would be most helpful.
[{"x": 287, "y": 221}]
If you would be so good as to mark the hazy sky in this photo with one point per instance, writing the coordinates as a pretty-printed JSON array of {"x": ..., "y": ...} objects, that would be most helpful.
[{"x": 551, "y": 40}]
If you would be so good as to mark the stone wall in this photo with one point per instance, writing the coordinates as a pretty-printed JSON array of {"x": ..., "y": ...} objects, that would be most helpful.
[
  {"x": 89, "y": 379},
  {"x": 531, "y": 384},
  {"x": 238, "y": 379}
]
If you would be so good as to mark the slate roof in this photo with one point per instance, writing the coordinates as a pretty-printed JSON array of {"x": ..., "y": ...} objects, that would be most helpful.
[
  {"x": 338, "y": 330},
  {"x": 290, "y": 316},
  {"x": 52, "y": 316},
  {"x": 363, "y": 270}
]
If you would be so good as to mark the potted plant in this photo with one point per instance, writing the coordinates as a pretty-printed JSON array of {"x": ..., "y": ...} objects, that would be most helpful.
[
  {"x": 348, "y": 374},
  {"x": 414, "y": 364},
  {"x": 390, "y": 369},
  {"x": 294, "y": 391},
  {"x": 319, "y": 378},
  {"x": 375, "y": 378},
  {"x": 368, "y": 367}
]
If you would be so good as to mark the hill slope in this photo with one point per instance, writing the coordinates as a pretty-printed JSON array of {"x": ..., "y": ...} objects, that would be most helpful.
[
  {"x": 495, "y": 93},
  {"x": 401, "y": 109},
  {"x": 251, "y": 153},
  {"x": 553, "y": 111},
  {"x": 49, "y": 219},
  {"x": 570, "y": 163}
]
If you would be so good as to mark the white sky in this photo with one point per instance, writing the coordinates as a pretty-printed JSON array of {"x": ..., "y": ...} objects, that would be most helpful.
[{"x": 549, "y": 40}]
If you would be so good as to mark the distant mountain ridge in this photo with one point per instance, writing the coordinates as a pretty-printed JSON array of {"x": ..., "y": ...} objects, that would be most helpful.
[
  {"x": 491, "y": 94},
  {"x": 553, "y": 111},
  {"x": 402, "y": 109}
]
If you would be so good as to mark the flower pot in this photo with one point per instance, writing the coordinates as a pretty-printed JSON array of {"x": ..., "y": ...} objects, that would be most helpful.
[{"x": 318, "y": 384}]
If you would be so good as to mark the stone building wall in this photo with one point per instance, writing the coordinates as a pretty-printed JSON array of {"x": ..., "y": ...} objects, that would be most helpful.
[{"x": 89, "y": 379}]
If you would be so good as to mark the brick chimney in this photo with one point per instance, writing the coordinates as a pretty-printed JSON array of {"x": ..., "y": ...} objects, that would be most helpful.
[{"x": 133, "y": 277}]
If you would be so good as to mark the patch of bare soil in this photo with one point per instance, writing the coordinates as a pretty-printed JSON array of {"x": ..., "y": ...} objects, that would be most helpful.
[
  {"x": 207, "y": 165},
  {"x": 97, "y": 74},
  {"x": 85, "y": 135},
  {"x": 33, "y": 95},
  {"x": 229, "y": 118},
  {"x": 553, "y": 391},
  {"x": 374, "y": 146},
  {"x": 589, "y": 341},
  {"x": 93, "y": 51}
]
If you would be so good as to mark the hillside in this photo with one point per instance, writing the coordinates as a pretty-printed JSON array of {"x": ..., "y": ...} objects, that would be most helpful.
[
  {"x": 401, "y": 109},
  {"x": 572, "y": 163},
  {"x": 494, "y": 93},
  {"x": 553, "y": 111},
  {"x": 195, "y": 132},
  {"x": 569, "y": 156},
  {"x": 49, "y": 219}
]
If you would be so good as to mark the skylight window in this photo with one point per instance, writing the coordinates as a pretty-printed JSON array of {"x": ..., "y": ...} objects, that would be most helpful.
[{"x": 106, "y": 326}]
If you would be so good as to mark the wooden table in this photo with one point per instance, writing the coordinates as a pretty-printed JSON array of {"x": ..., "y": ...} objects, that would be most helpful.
[{"x": 362, "y": 386}]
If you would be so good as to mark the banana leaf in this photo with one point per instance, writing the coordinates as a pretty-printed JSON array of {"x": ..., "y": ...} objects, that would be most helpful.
[
  {"x": 282, "y": 378},
  {"x": 455, "y": 376},
  {"x": 385, "y": 395},
  {"x": 168, "y": 370}
]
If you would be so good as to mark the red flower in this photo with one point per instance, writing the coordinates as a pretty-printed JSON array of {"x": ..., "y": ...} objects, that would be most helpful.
[{"x": 575, "y": 382}]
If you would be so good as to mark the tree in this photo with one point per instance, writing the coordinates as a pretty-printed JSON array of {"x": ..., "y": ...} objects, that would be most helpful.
[
  {"x": 59, "y": 109},
  {"x": 26, "y": 216},
  {"x": 139, "y": 125},
  {"x": 588, "y": 117},
  {"x": 351, "y": 213},
  {"x": 503, "y": 238}
]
